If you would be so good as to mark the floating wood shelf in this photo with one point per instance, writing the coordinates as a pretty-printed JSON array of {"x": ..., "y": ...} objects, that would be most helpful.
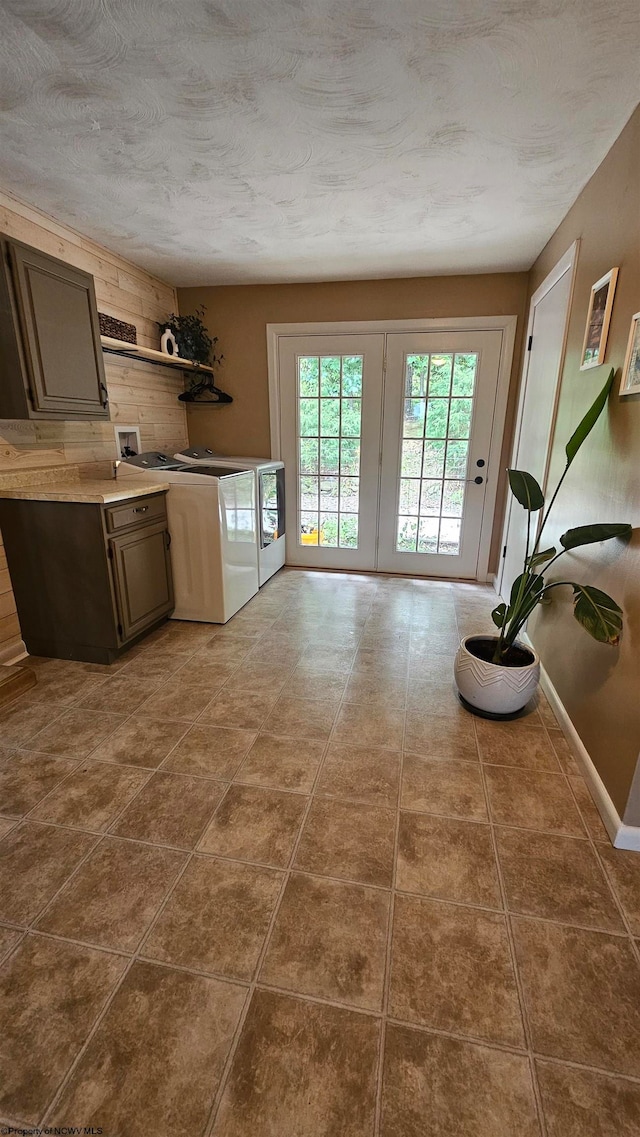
[{"x": 148, "y": 355}]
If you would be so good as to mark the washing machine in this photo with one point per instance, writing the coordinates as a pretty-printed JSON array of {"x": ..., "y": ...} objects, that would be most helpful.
[
  {"x": 212, "y": 522},
  {"x": 270, "y": 522}
]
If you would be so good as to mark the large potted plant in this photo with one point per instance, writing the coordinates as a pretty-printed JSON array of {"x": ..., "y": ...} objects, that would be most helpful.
[{"x": 497, "y": 675}]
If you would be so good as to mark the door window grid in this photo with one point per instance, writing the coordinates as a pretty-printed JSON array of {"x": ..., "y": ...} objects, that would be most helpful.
[
  {"x": 329, "y": 428},
  {"x": 438, "y": 407}
]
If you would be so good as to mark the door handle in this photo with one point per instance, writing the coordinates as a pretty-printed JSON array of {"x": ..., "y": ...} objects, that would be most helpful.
[
  {"x": 105, "y": 400},
  {"x": 168, "y": 540}
]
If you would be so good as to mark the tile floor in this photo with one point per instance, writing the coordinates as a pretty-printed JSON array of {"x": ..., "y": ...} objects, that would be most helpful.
[{"x": 270, "y": 880}]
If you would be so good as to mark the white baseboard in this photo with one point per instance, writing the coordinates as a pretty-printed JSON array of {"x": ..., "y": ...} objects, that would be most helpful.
[
  {"x": 622, "y": 836},
  {"x": 13, "y": 653}
]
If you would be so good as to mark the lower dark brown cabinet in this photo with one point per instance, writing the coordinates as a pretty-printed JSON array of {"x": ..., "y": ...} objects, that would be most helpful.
[{"x": 89, "y": 579}]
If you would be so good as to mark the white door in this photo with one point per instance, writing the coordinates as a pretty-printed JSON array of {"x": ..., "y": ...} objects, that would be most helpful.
[
  {"x": 389, "y": 442},
  {"x": 538, "y": 400},
  {"x": 439, "y": 410},
  {"x": 330, "y": 414}
]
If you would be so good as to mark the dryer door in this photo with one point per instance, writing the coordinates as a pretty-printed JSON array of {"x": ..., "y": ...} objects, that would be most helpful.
[{"x": 271, "y": 505}]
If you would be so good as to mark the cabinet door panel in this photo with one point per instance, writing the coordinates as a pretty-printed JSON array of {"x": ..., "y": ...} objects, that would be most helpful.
[
  {"x": 60, "y": 332},
  {"x": 142, "y": 578}
]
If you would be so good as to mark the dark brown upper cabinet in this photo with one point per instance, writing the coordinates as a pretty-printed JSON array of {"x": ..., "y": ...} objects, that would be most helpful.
[{"x": 51, "y": 364}]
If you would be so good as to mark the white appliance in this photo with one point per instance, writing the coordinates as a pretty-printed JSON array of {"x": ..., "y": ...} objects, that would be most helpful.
[
  {"x": 212, "y": 523},
  {"x": 269, "y": 502}
]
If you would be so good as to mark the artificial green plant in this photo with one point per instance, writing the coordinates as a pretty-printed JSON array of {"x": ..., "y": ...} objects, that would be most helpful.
[
  {"x": 598, "y": 613},
  {"x": 196, "y": 345}
]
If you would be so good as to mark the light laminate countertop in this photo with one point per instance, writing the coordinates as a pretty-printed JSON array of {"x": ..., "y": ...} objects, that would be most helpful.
[{"x": 103, "y": 492}]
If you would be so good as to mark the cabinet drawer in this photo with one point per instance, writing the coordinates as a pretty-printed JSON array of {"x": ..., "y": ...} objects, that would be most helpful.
[{"x": 136, "y": 512}]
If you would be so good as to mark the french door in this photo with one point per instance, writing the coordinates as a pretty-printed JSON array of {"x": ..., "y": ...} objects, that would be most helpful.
[
  {"x": 386, "y": 439},
  {"x": 331, "y": 407}
]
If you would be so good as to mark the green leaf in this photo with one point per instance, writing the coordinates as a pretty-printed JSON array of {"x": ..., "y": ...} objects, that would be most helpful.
[
  {"x": 589, "y": 534},
  {"x": 589, "y": 420},
  {"x": 534, "y": 584},
  {"x": 599, "y": 615},
  {"x": 541, "y": 558},
  {"x": 498, "y": 615},
  {"x": 526, "y": 490}
]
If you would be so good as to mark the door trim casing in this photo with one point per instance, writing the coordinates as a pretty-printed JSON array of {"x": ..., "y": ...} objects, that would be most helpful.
[
  {"x": 568, "y": 263},
  {"x": 505, "y": 324}
]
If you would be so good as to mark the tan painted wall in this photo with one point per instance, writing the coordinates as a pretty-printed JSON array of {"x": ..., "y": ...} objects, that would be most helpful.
[
  {"x": 238, "y": 316},
  {"x": 138, "y": 393},
  {"x": 599, "y": 685}
]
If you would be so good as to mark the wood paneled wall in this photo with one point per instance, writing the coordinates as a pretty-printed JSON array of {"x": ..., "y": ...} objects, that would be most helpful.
[{"x": 139, "y": 393}]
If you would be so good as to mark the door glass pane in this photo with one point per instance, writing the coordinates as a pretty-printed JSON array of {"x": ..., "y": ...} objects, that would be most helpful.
[
  {"x": 456, "y": 464},
  {"x": 464, "y": 374},
  {"x": 329, "y": 417},
  {"x": 414, "y": 411},
  {"x": 411, "y": 459},
  {"x": 428, "y": 535},
  {"x": 308, "y": 417},
  {"x": 269, "y": 484},
  {"x": 348, "y": 534},
  {"x": 349, "y": 456},
  {"x": 437, "y": 414},
  {"x": 329, "y": 530},
  {"x": 352, "y": 376},
  {"x": 329, "y": 494},
  {"x": 417, "y": 376},
  {"x": 308, "y": 376},
  {"x": 433, "y": 460},
  {"x": 459, "y": 418},
  {"x": 308, "y": 455},
  {"x": 329, "y": 455},
  {"x": 440, "y": 374},
  {"x": 407, "y": 538},
  {"x": 410, "y": 496},
  {"x": 329, "y": 375},
  {"x": 350, "y": 418}
]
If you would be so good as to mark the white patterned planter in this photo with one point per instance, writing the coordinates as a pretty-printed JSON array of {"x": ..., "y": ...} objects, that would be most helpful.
[{"x": 491, "y": 688}]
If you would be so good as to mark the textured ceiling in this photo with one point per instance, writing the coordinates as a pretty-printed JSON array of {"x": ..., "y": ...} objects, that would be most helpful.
[{"x": 235, "y": 141}]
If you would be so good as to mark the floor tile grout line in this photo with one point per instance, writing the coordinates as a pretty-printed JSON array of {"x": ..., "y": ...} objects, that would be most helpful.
[
  {"x": 105, "y": 1009},
  {"x": 53, "y": 720},
  {"x": 30, "y": 926},
  {"x": 134, "y": 956},
  {"x": 43, "y": 934},
  {"x": 634, "y": 943},
  {"x": 18, "y": 818},
  {"x": 567, "y": 1063},
  {"x": 315, "y": 874},
  {"x": 114, "y": 820},
  {"x": 589, "y": 836},
  {"x": 528, "y": 1035},
  {"x": 211, "y": 1121},
  {"x": 386, "y": 988}
]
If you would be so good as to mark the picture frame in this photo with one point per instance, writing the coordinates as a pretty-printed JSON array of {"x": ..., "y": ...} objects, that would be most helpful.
[
  {"x": 594, "y": 346},
  {"x": 630, "y": 382}
]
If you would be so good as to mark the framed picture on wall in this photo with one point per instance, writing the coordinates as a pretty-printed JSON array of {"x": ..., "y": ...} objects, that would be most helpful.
[
  {"x": 596, "y": 331},
  {"x": 630, "y": 384}
]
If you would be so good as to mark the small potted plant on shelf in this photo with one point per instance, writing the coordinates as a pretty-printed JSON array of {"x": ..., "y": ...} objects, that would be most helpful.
[
  {"x": 497, "y": 675},
  {"x": 194, "y": 344}
]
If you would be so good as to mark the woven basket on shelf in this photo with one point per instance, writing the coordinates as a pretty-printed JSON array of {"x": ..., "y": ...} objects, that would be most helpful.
[{"x": 117, "y": 329}]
